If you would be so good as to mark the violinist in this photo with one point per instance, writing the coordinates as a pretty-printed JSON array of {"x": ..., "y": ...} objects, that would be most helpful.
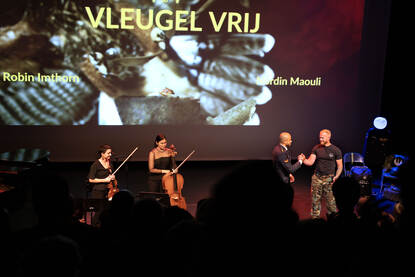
[
  {"x": 160, "y": 162},
  {"x": 99, "y": 177},
  {"x": 100, "y": 172}
]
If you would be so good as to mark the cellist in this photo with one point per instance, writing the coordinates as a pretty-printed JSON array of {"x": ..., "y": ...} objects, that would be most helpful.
[
  {"x": 160, "y": 162},
  {"x": 100, "y": 175}
]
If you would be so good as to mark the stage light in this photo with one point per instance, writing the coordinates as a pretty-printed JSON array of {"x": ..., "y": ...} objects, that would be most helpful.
[
  {"x": 377, "y": 145},
  {"x": 380, "y": 123}
]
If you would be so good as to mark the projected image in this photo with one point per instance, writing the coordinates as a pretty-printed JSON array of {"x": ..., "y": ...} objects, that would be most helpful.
[{"x": 133, "y": 63}]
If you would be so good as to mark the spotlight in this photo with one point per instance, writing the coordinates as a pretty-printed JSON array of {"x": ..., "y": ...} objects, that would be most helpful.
[
  {"x": 380, "y": 123},
  {"x": 377, "y": 145}
]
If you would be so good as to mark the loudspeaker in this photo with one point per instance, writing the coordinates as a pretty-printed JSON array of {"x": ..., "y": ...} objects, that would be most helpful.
[{"x": 162, "y": 198}]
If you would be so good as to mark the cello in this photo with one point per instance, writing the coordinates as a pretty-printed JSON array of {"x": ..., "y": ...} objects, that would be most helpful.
[
  {"x": 113, "y": 185},
  {"x": 173, "y": 183}
]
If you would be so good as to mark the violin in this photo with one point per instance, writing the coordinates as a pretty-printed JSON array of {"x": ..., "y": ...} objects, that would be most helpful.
[
  {"x": 112, "y": 189},
  {"x": 173, "y": 183},
  {"x": 113, "y": 185}
]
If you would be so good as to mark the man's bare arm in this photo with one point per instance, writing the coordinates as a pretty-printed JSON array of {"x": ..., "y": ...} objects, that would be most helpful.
[
  {"x": 339, "y": 169},
  {"x": 310, "y": 161}
]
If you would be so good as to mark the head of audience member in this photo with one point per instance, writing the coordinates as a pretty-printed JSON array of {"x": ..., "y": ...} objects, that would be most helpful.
[
  {"x": 252, "y": 194},
  {"x": 174, "y": 215},
  {"x": 118, "y": 215},
  {"x": 51, "y": 199},
  {"x": 51, "y": 256},
  {"x": 147, "y": 215},
  {"x": 122, "y": 201},
  {"x": 203, "y": 208},
  {"x": 406, "y": 180},
  {"x": 4, "y": 222},
  {"x": 346, "y": 191}
]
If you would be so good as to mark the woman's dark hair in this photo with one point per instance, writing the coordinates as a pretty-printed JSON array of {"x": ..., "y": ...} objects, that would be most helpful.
[
  {"x": 159, "y": 138},
  {"x": 102, "y": 149}
]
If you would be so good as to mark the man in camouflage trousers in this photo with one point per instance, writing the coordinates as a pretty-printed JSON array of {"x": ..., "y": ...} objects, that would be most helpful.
[
  {"x": 329, "y": 166},
  {"x": 321, "y": 186}
]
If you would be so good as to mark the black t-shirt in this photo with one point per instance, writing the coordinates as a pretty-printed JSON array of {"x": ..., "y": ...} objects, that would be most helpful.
[
  {"x": 98, "y": 171},
  {"x": 326, "y": 157}
]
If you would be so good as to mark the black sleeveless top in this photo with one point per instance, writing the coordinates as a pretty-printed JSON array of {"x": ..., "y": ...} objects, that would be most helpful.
[
  {"x": 155, "y": 179},
  {"x": 162, "y": 163}
]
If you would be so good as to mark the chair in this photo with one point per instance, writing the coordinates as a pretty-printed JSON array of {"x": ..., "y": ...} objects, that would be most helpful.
[
  {"x": 350, "y": 160},
  {"x": 363, "y": 175},
  {"x": 389, "y": 177},
  {"x": 89, "y": 206}
]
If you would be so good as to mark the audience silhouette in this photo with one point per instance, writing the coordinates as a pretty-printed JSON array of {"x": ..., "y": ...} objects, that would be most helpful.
[{"x": 246, "y": 226}]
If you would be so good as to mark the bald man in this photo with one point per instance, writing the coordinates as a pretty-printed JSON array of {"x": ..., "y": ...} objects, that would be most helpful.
[
  {"x": 282, "y": 161},
  {"x": 329, "y": 166}
]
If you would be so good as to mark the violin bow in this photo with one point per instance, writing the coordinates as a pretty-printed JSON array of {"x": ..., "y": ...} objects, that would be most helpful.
[
  {"x": 126, "y": 159},
  {"x": 177, "y": 168}
]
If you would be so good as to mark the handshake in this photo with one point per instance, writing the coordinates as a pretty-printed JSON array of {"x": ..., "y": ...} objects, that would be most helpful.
[{"x": 301, "y": 157}]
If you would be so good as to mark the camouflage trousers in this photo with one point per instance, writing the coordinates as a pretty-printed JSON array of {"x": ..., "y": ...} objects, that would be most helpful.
[{"x": 321, "y": 187}]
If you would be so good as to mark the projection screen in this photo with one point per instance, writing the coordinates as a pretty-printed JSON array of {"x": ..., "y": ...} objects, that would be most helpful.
[{"x": 221, "y": 77}]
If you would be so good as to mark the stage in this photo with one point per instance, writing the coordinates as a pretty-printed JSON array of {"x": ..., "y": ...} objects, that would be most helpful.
[{"x": 199, "y": 178}]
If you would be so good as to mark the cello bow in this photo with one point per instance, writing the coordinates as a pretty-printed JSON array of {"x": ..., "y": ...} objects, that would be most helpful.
[{"x": 177, "y": 168}]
